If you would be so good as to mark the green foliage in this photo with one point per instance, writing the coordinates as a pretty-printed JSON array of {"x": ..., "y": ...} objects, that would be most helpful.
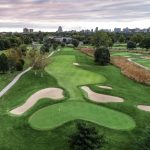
[
  {"x": 122, "y": 39},
  {"x": 3, "y": 63},
  {"x": 75, "y": 42},
  {"x": 86, "y": 138},
  {"x": 102, "y": 56},
  {"x": 102, "y": 39},
  {"x": 19, "y": 65},
  {"x": 143, "y": 142},
  {"x": 131, "y": 45},
  {"x": 145, "y": 43},
  {"x": 137, "y": 38}
]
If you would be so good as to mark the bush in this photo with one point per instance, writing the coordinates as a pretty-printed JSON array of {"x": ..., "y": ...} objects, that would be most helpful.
[
  {"x": 86, "y": 138},
  {"x": 3, "y": 63},
  {"x": 75, "y": 43},
  {"x": 19, "y": 65},
  {"x": 102, "y": 56},
  {"x": 131, "y": 45}
]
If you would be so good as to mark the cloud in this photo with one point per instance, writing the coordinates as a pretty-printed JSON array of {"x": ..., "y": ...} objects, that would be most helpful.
[{"x": 39, "y": 13}]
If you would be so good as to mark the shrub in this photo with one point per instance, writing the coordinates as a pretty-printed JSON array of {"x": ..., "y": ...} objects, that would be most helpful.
[
  {"x": 102, "y": 56},
  {"x": 86, "y": 138},
  {"x": 131, "y": 45}
]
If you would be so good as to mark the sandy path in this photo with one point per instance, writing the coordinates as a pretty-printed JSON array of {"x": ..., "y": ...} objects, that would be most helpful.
[
  {"x": 14, "y": 81},
  {"x": 144, "y": 107},
  {"x": 52, "y": 93},
  {"x": 105, "y": 87},
  {"x": 96, "y": 97}
]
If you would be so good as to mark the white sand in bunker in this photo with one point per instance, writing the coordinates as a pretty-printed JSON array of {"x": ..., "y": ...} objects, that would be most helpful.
[
  {"x": 96, "y": 97},
  {"x": 76, "y": 64},
  {"x": 144, "y": 107},
  {"x": 105, "y": 87},
  {"x": 52, "y": 93}
]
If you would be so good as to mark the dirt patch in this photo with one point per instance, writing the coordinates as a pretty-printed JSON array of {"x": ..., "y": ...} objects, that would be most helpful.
[
  {"x": 144, "y": 107},
  {"x": 52, "y": 93},
  {"x": 105, "y": 87},
  {"x": 96, "y": 97}
]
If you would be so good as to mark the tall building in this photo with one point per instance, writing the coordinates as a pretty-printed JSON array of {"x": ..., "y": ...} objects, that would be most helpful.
[
  {"x": 31, "y": 30},
  {"x": 60, "y": 29},
  {"x": 25, "y": 30},
  {"x": 117, "y": 30},
  {"x": 96, "y": 29}
]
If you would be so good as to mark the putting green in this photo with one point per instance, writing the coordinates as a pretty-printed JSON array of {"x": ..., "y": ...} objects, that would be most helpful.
[{"x": 56, "y": 115}]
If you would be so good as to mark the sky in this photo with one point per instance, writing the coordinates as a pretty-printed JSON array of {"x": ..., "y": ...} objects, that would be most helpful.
[{"x": 47, "y": 15}]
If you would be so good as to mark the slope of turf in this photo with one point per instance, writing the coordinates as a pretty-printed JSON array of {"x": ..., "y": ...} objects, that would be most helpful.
[
  {"x": 70, "y": 76},
  {"x": 58, "y": 114}
]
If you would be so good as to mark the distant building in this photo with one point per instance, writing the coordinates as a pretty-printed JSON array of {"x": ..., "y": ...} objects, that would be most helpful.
[
  {"x": 26, "y": 30},
  {"x": 96, "y": 29},
  {"x": 117, "y": 30},
  {"x": 60, "y": 29},
  {"x": 126, "y": 30},
  {"x": 31, "y": 30}
]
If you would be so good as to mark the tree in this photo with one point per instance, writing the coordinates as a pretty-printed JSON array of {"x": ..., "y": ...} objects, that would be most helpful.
[
  {"x": 102, "y": 56},
  {"x": 19, "y": 65},
  {"x": 122, "y": 39},
  {"x": 145, "y": 43},
  {"x": 75, "y": 43},
  {"x": 143, "y": 142},
  {"x": 137, "y": 38},
  {"x": 38, "y": 61},
  {"x": 3, "y": 63},
  {"x": 86, "y": 138},
  {"x": 131, "y": 45},
  {"x": 102, "y": 39}
]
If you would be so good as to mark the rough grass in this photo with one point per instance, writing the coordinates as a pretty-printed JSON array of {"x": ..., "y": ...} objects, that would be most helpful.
[{"x": 132, "y": 70}]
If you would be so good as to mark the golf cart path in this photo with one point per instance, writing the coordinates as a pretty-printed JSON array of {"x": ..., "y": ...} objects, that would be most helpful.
[{"x": 13, "y": 82}]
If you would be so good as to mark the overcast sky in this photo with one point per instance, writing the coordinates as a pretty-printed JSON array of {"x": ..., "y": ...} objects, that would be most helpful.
[{"x": 73, "y": 14}]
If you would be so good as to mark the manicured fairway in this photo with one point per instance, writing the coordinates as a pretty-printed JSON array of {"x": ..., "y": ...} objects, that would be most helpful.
[
  {"x": 70, "y": 76},
  {"x": 58, "y": 114}
]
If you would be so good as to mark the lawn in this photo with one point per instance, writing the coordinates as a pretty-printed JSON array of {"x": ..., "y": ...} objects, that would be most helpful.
[{"x": 16, "y": 133}]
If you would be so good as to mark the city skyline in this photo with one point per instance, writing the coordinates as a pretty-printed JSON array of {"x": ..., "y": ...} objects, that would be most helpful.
[{"x": 47, "y": 15}]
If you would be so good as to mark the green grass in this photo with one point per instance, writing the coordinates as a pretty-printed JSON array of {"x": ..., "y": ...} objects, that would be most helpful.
[
  {"x": 16, "y": 133},
  {"x": 138, "y": 58},
  {"x": 56, "y": 115},
  {"x": 70, "y": 76}
]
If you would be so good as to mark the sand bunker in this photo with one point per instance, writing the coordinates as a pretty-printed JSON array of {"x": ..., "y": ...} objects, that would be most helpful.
[
  {"x": 96, "y": 97},
  {"x": 76, "y": 64},
  {"x": 105, "y": 87},
  {"x": 144, "y": 107},
  {"x": 52, "y": 93}
]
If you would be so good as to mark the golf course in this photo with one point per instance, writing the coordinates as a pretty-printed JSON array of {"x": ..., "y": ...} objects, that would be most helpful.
[{"x": 52, "y": 104}]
